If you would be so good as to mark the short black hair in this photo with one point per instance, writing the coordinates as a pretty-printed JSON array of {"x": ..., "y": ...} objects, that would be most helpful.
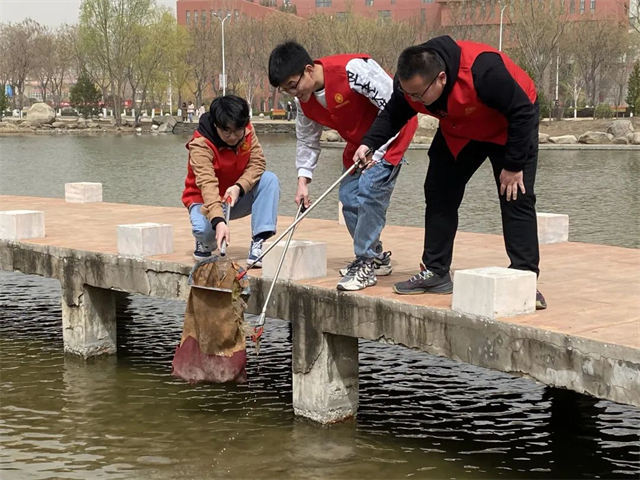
[
  {"x": 229, "y": 111},
  {"x": 419, "y": 60},
  {"x": 287, "y": 59}
]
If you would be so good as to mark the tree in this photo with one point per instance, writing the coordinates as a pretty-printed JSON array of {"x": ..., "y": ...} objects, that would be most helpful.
[
  {"x": 596, "y": 46},
  {"x": 108, "y": 31},
  {"x": 46, "y": 59},
  {"x": 64, "y": 64},
  {"x": 17, "y": 42},
  {"x": 85, "y": 95},
  {"x": 539, "y": 28},
  {"x": 633, "y": 89},
  {"x": 151, "y": 60},
  {"x": 4, "y": 104}
]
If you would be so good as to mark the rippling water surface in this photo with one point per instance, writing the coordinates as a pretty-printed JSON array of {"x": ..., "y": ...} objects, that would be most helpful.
[{"x": 420, "y": 416}]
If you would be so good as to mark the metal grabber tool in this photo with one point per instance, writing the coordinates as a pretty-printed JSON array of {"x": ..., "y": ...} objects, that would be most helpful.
[
  {"x": 347, "y": 172},
  {"x": 223, "y": 258},
  {"x": 258, "y": 329}
]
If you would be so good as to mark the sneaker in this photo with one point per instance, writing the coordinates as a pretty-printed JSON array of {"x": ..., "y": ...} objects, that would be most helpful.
[
  {"x": 425, "y": 282},
  {"x": 255, "y": 251},
  {"x": 201, "y": 252},
  {"x": 381, "y": 265},
  {"x": 361, "y": 275},
  {"x": 541, "y": 303}
]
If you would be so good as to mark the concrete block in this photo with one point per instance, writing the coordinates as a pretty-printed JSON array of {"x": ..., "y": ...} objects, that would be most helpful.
[
  {"x": 145, "y": 239},
  {"x": 340, "y": 215},
  {"x": 553, "y": 228},
  {"x": 21, "y": 224},
  {"x": 304, "y": 259},
  {"x": 83, "y": 192},
  {"x": 494, "y": 292},
  {"x": 326, "y": 390}
]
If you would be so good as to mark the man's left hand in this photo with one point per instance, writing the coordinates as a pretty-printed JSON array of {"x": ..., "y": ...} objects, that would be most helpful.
[{"x": 510, "y": 182}]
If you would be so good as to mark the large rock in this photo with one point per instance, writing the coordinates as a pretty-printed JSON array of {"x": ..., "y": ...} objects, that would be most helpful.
[
  {"x": 168, "y": 124},
  {"x": 564, "y": 140},
  {"x": 620, "y": 141},
  {"x": 8, "y": 127},
  {"x": 636, "y": 138},
  {"x": 422, "y": 140},
  {"x": 594, "y": 138},
  {"x": 59, "y": 125},
  {"x": 40, "y": 113},
  {"x": 620, "y": 128},
  {"x": 543, "y": 137},
  {"x": 426, "y": 125},
  {"x": 330, "y": 136}
]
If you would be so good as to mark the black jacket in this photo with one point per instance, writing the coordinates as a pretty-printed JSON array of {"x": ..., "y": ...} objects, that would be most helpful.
[{"x": 495, "y": 87}]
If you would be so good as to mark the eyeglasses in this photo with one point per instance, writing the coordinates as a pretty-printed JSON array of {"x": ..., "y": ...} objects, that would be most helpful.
[
  {"x": 228, "y": 132},
  {"x": 415, "y": 95},
  {"x": 291, "y": 89}
]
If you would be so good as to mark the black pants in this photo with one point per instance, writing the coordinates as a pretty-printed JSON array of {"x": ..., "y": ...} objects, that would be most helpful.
[{"x": 444, "y": 189}]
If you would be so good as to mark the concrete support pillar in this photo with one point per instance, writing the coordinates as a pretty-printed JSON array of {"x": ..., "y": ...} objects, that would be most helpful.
[
  {"x": 88, "y": 321},
  {"x": 325, "y": 375}
]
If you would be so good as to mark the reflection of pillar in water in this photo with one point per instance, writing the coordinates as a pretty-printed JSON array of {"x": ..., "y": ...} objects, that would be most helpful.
[{"x": 321, "y": 446}]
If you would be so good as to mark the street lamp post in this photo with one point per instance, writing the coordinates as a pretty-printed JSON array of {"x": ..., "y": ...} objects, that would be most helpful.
[
  {"x": 224, "y": 72},
  {"x": 501, "y": 15}
]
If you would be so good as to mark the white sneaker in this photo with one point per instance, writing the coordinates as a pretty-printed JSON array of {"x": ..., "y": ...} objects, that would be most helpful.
[
  {"x": 255, "y": 251},
  {"x": 381, "y": 265},
  {"x": 361, "y": 275}
]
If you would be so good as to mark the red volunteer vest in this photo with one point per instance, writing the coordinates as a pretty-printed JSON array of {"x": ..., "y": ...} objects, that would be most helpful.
[
  {"x": 350, "y": 113},
  {"x": 467, "y": 118},
  {"x": 228, "y": 163}
]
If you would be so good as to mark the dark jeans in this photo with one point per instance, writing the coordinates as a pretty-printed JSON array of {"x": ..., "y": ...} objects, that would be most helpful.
[{"x": 444, "y": 189}]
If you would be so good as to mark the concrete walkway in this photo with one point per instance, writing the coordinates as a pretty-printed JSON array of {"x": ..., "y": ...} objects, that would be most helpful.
[{"x": 593, "y": 293}]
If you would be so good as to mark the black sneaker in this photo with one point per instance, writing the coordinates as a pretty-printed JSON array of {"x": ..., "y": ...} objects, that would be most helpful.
[
  {"x": 201, "y": 252},
  {"x": 541, "y": 303},
  {"x": 425, "y": 282},
  {"x": 361, "y": 275}
]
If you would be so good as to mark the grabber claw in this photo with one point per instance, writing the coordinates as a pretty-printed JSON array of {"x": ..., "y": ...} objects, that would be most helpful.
[{"x": 256, "y": 336}]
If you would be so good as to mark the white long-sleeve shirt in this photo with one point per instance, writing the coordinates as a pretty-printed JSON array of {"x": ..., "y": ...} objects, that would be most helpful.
[{"x": 366, "y": 78}]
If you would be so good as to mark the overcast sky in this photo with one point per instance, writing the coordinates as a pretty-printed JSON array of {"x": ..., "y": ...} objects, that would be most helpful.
[{"x": 48, "y": 12}]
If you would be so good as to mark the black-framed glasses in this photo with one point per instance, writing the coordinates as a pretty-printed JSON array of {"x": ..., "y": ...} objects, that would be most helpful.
[
  {"x": 291, "y": 89},
  {"x": 415, "y": 95},
  {"x": 236, "y": 132}
]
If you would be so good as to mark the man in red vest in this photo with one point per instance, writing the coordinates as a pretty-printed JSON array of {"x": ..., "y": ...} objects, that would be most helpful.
[
  {"x": 487, "y": 107},
  {"x": 226, "y": 160},
  {"x": 345, "y": 93}
]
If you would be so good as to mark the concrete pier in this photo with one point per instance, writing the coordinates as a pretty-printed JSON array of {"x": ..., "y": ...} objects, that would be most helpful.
[{"x": 588, "y": 340}]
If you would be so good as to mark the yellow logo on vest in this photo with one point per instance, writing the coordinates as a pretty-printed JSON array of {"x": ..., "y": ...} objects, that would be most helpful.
[
  {"x": 339, "y": 98},
  {"x": 469, "y": 110},
  {"x": 245, "y": 146}
]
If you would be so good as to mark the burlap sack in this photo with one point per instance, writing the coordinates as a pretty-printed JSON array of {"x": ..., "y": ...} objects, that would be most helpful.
[{"x": 213, "y": 346}]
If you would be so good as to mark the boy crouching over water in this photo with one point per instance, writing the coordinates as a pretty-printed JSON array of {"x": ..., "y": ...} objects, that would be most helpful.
[{"x": 226, "y": 160}]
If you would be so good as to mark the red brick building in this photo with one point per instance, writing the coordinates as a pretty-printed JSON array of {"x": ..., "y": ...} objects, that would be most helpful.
[{"x": 431, "y": 13}]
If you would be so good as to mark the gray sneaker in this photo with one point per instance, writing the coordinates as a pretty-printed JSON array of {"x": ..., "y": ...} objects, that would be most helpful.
[
  {"x": 361, "y": 274},
  {"x": 381, "y": 265},
  {"x": 425, "y": 282}
]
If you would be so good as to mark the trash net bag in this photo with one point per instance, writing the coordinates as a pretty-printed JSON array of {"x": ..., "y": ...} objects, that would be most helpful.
[{"x": 213, "y": 344}]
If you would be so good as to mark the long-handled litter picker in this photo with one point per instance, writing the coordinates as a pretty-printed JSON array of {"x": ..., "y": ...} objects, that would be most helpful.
[
  {"x": 347, "y": 172},
  {"x": 258, "y": 329}
]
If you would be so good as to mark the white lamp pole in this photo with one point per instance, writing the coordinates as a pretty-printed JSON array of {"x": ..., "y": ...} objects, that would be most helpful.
[
  {"x": 224, "y": 72},
  {"x": 501, "y": 15}
]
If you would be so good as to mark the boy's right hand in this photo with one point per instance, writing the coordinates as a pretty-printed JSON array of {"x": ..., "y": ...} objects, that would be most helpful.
[
  {"x": 222, "y": 234},
  {"x": 302, "y": 193}
]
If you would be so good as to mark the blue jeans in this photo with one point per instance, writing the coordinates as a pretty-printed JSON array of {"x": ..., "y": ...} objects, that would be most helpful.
[
  {"x": 365, "y": 199},
  {"x": 261, "y": 202}
]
